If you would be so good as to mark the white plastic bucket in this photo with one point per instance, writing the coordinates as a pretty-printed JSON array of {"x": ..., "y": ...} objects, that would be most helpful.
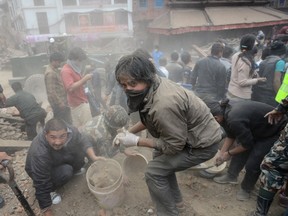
[
  {"x": 134, "y": 164},
  {"x": 105, "y": 181}
]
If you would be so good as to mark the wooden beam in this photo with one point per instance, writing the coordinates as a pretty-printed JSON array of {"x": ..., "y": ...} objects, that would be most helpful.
[
  {"x": 15, "y": 143},
  {"x": 199, "y": 51}
]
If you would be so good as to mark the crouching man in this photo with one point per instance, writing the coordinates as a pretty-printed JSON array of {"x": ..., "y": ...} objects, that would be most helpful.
[{"x": 55, "y": 155}]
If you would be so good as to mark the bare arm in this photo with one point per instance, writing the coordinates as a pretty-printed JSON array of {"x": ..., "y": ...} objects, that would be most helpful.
[
  {"x": 78, "y": 84},
  {"x": 91, "y": 154},
  {"x": 228, "y": 142},
  {"x": 137, "y": 127}
]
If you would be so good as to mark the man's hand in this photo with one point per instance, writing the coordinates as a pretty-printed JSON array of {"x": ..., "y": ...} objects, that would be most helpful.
[
  {"x": 222, "y": 158},
  {"x": 87, "y": 77},
  {"x": 274, "y": 116},
  {"x": 96, "y": 158},
  {"x": 2, "y": 99},
  {"x": 127, "y": 139},
  {"x": 4, "y": 156},
  {"x": 48, "y": 212},
  {"x": 130, "y": 152}
]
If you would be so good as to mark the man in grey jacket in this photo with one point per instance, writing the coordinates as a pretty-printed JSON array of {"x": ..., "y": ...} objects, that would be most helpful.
[{"x": 185, "y": 133}]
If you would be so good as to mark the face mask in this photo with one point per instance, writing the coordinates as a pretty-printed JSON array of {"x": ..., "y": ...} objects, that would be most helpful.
[{"x": 135, "y": 98}]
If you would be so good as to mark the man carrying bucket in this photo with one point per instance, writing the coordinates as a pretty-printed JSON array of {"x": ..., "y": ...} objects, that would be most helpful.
[{"x": 185, "y": 132}]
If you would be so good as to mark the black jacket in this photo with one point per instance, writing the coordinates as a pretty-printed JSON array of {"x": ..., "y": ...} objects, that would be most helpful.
[
  {"x": 209, "y": 76},
  {"x": 42, "y": 158},
  {"x": 245, "y": 122}
]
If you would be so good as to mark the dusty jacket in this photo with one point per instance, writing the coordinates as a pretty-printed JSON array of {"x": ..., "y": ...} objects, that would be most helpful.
[
  {"x": 42, "y": 158},
  {"x": 209, "y": 76},
  {"x": 241, "y": 81},
  {"x": 176, "y": 117},
  {"x": 55, "y": 90}
]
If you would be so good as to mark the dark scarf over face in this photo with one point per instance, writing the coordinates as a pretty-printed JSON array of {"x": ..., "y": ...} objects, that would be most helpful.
[{"x": 135, "y": 99}]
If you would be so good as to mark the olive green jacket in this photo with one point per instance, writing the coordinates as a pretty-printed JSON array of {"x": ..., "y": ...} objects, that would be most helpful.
[{"x": 177, "y": 117}]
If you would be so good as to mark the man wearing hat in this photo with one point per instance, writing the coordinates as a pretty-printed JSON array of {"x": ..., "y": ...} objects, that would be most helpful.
[
  {"x": 102, "y": 129},
  {"x": 273, "y": 68}
]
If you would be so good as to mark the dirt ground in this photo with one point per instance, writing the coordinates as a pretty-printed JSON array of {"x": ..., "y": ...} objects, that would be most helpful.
[{"x": 202, "y": 197}]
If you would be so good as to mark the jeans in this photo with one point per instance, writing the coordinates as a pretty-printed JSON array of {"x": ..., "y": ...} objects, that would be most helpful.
[
  {"x": 161, "y": 178},
  {"x": 61, "y": 175},
  {"x": 251, "y": 159}
]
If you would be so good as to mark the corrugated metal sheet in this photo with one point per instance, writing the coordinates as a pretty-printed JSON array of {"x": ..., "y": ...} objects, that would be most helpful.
[{"x": 178, "y": 21}]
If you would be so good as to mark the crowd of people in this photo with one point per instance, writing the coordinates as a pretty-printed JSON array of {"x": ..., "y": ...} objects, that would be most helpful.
[{"x": 187, "y": 111}]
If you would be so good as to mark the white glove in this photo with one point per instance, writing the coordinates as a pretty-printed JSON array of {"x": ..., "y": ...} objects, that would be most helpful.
[{"x": 127, "y": 139}]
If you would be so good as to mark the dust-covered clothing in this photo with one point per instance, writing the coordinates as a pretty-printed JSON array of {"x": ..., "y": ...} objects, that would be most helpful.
[
  {"x": 264, "y": 91},
  {"x": 274, "y": 167},
  {"x": 175, "y": 71},
  {"x": 177, "y": 117},
  {"x": 29, "y": 110},
  {"x": 69, "y": 76},
  {"x": 118, "y": 96},
  {"x": 245, "y": 122},
  {"x": 101, "y": 136},
  {"x": 81, "y": 114},
  {"x": 57, "y": 95},
  {"x": 185, "y": 133},
  {"x": 241, "y": 80},
  {"x": 43, "y": 163},
  {"x": 77, "y": 99},
  {"x": 209, "y": 77}
]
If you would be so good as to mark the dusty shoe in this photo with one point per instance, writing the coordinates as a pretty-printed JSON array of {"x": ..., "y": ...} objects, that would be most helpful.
[
  {"x": 55, "y": 197},
  {"x": 80, "y": 172},
  {"x": 225, "y": 179},
  {"x": 242, "y": 195},
  {"x": 181, "y": 207},
  {"x": 283, "y": 200},
  {"x": 207, "y": 175},
  {"x": 2, "y": 202},
  {"x": 253, "y": 213}
]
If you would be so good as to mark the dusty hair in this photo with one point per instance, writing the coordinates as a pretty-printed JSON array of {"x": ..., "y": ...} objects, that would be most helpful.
[
  {"x": 55, "y": 124},
  {"x": 137, "y": 67}
]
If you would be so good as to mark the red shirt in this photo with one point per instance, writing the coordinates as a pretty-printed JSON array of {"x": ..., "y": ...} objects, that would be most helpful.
[{"x": 69, "y": 76}]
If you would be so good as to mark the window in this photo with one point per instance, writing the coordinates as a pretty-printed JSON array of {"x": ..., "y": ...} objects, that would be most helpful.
[
  {"x": 39, "y": 2},
  {"x": 84, "y": 20},
  {"x": 94, "y": 2},
  {"x": 96, "y": 19},
  {"x": 42, "y": 23},
  {"x": 281, "y": 3},
  {"x": 120, "y": 1},
  {"x": 143, "y": 3},
  {"x": 109, "y": 18},
  {"x": 121, "y": 18},
  {"x": 158, "y": 3},
  {"x": 68, "y": 2}
]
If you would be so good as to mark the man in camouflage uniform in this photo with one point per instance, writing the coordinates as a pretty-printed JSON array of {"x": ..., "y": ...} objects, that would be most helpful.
[
  {"x": 102, "y": 129},
  {"x": 274, "y": 167}
]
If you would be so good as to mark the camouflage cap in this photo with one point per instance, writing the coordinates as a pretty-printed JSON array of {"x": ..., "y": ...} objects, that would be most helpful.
[{"x": 116, "y": 116}]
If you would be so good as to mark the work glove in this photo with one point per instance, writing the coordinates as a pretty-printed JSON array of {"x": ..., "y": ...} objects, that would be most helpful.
[{"x": 126, "y": 139}]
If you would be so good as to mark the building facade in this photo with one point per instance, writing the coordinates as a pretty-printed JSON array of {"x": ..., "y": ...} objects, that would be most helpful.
[{"x": 86, "y": 19}]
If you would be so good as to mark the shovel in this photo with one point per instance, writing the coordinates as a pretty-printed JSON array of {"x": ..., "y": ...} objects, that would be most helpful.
[{"x": 11, "y": 182}]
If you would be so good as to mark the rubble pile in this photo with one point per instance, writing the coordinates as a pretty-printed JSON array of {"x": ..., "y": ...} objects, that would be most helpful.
[
  {"x": 13, "y": 206},
  {"x": 11, "y": 128}
]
